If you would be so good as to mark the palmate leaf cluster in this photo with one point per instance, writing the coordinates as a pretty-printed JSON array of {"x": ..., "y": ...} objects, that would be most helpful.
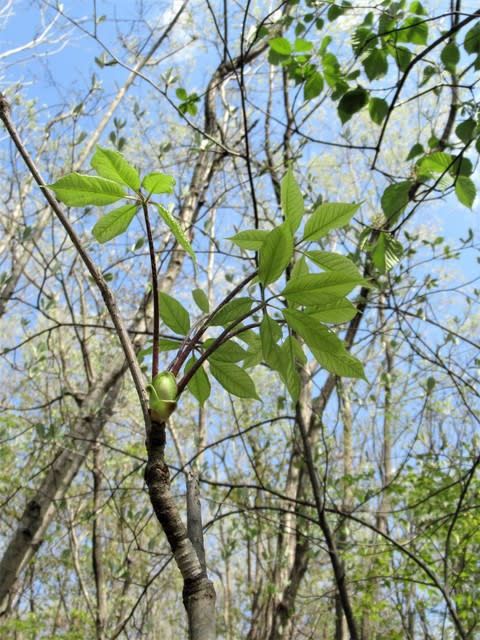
[
  {"x": 276, "y": 322},
  {"x": 115, "y": 174}
]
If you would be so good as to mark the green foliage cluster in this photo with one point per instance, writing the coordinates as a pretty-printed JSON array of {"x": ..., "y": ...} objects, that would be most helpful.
[{"x": 302, "y": 309}]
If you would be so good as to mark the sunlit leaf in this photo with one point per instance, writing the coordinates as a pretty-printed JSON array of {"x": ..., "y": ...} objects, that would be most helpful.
[
  {"x": 112, "y": 165},
  {"x": 174, "y": 314},
  {"x": 275, "y": 254},
  {"x": 233, "y": 379},
  {"x": 77, "y": 190},
  {"x": 114, "y": 223},
  {"x": 176, "y": 230}
]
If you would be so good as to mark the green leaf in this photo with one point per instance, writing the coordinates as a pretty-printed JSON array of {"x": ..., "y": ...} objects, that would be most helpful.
[
  {"x": 375, "y": 64},
  {"x": 450, "y": 56},
  {"x": 327, "y": 349},
  {"x": 415, "y": 151},
  {"x": 301, "y": 45},
  {"x": 229, "y": 351},
  {"x": 387, "y": 252},
  {"x": 114, "y": 223},
  {"x": 270, "y": 334},
  {"x": 275, "y": 254},
  {"x": 201, "y": 300},
  {"x": 77, "y": 190},
  {"x": 401, "y": 55},
  {"x": 437, "y": 162},
  {"x": 313, "y": 86},
  {"x": 112, "y": 165},
  {"x": 300, "y": 268},
  {"x": 461, "y": 166},
  {"x": 174, "y": 314},
  {"x": 199, "y": 384},
  {"x": 181, "y": 94},
  {"x": 254, "y": 352},
  {"x": 316, "y": 288},
  {"x": 351, "y": 102},
  {"x": 288, "y": 370},
  {"x": 472, "y": 39},
  {"x": 233, "y": 379},
  {"x": 281, "y": 46},
  {"x": 295, "y": 348},
  {"x": 377, "y": 109},
  {"x": 291, "y": 200},
  {"x": 395, "y": 198},
  {"x": 465, "y": 191},
  {"x": 326, "y": 217},
  {"x": 158, "y": 183},
  {"x": 413, "y": 30},
  {"x": 333, "y": 310},
  {"x": 251, "y": 239},
  {"x": 335, "y": 11},
  {"x": 233, "y": 310},
  {"x": 168, "y": 345},
  {"x": 466, "y": 130},
  {"x": 333, "y": 262},
  {"x": 176, "y": 230}
]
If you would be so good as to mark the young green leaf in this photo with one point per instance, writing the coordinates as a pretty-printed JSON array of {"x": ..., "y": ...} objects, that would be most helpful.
[
  {"x": 465, "y": 191},
  {"x": 251, "y": 239},
  {"x": 199, "y": 384},
  {"x": 332, "y": 262},
  {"x": 437, "y": 162},
  {"x": 313, "y": 86},
  {"x": 77, "y": 190},
  {"x": 450, "y": 56},
  {"x": 413, "y": 30},
  {"x": 233, "y": 379},
  {"x": 326, "y": 217},
  {"x": 275, "y": 254},
  {"x": 174, "y": 314},
  {"x": 292, "y": 201},
  {"x": 416, "y": 150},
  {"x": 231, "y": 311},
  {"x": 395, "y": 198},
  {"x": 158, "y": 183},
  {"x": 300, "y": 268},
  {"x": 254, "y": 352},
  {"x": 333, "y": 310},
  {"x": 328, "y": 350},
  {"x": 466, "y": 130},
  {"x": 229, "y": 351},
  {"x": 270, "y": 334},
  {"x": 378, "y": 109},
  {"x": 387, "y": 252},
  {"x": 316, "y": 288},
  {"x": 288, "y": 369},
  {"x": 114, "y": 223},
  {"x": 176, "y": 230},
  {"x": 201, "y": 300},
  {"x": 281, "y": 46},
  {"x": 352, "y": 102},
  {"x": 375, "y": 64},
  {"x": 112, "y": 165},
  {"x": 168, "y": 345}
]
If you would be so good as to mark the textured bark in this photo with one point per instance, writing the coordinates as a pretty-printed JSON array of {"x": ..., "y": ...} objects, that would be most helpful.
[{"x": 198, "y": 591}]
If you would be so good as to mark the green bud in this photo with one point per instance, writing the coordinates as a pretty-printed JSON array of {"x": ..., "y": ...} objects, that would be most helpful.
[{"x": 163, "y": 394}]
